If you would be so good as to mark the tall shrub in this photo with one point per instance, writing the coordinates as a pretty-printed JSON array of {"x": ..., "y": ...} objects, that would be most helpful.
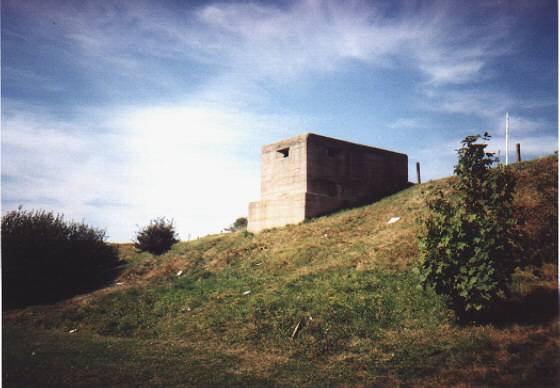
[
  {"x": 45, "y": 258},
  {"x": 467, "y": 241}
]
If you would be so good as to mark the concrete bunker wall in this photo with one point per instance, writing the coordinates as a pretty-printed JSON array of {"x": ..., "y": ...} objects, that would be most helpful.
[
  {"x": 342, "y": 174},
  {"x": 284, "y": 168},
  {"x": 311, "y": 175},
  {"x": 283, "y": 185}
]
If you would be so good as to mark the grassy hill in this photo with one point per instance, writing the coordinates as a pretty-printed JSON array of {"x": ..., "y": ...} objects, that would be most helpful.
[{"x": 345, "y": 281}]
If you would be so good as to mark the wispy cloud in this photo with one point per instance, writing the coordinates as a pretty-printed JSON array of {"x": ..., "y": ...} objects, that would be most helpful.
[
  {"x": 185, "y": 161},
  {"x": 531, "y": 145},
  {"x": 477, "y": 102},
  {"x": 280, "y": 42},
  {"x": 491, "y": 107},
  {"x": 407, "y": 123},
  {"x": 454, "y": 73},
  {"x": 311, "y": 36},
  {"x": 521, "y": 126},
  {"x": 179, "y": 98},
  {"x": 438, "y": 160}
]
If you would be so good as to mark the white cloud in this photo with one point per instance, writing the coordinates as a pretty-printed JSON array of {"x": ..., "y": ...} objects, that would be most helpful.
[
  {"x": 184, "y": 161},
  {"x": 475, "y": 102},
  {"x": 456, "y": 73},
  {"x": 406, "y": 123},
  {"x": 312, "y": 36},
  {"x": 438, "y": 160},
  {"x": 280, "y": 43},
  {"x": 519, "y": 125},
  {"x": 48, "y": 162},
  {"x": 531, "y": 146},
  {"x": 119, "y": 167}
]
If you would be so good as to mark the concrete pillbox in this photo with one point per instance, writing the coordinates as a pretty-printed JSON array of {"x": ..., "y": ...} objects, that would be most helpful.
[{"x": 311, "y": 175}]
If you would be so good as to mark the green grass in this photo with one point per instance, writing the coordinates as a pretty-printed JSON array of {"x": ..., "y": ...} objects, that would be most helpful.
[
  {"x": 46, "y": 358},
  {"x": 347, "y": 279},
  {"x": 350, "y": 303}
]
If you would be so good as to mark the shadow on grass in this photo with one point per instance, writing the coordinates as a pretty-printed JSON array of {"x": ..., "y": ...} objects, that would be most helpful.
[
  {"x": 366, "y": 201},
  {"x": 48, "y": 285},
  {"x": 540, "y": 306}
]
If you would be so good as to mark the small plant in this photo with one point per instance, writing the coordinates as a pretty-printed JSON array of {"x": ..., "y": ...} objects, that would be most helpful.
[
  {"x": 157, "y": 238},
  {"x": 45, "y": 258},
  {"x": 239, "y": 224},
  {"x": 247, "y": 234},
  {"x": 467, "y": 241}
]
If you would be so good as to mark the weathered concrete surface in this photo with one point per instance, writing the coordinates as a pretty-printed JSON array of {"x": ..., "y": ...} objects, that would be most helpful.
[
  {"x": 343, "y": 174},
  {"x": 283, "y": 210},
  {"x": 311, "y": 175},
  {"x": 283, "y": 185},
  {"x": 284, "y": 174}
]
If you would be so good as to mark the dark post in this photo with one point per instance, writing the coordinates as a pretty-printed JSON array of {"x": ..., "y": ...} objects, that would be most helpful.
[
  {"x": 518, "y": 148},
  {"x": 418, "y": 173}
]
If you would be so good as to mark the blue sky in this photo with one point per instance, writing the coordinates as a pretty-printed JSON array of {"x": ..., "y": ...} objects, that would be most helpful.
[{"x": 116, "y": 112}]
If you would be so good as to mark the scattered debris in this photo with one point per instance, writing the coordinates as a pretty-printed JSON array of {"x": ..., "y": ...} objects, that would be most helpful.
[
  {"x": 326, "y": 235},
  {"x": 296, "y": 329},
  {"x": 246, "y": 293},
  {"x": 119, "y": 283},
  {"x": 259, "y": 264},
  {"x": 180, "y": 273},
  {"x": 73, "y": 331},
  {"x": 186, "y": 309},
  {"x": 310, "y": 318},
  {"x": 393, "y": 220}
]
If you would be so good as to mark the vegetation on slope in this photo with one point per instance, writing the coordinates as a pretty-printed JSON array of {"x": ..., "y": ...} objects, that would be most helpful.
[
  {"x": 467, "y": 242},
  {"x": 157, "y": 237},
  {"x": 225, "y": 309},
  {"x": 45, "y": 258}
]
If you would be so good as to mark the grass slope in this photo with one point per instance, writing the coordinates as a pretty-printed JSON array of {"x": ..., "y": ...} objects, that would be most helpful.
[{"x": 345, "y": 280}]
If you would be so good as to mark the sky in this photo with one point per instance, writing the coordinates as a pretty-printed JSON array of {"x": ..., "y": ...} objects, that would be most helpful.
[{"x": 117, "y": 112}]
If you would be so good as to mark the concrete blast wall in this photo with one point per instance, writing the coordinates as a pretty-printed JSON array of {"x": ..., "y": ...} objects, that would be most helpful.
[{"x": 311, "y": 175}]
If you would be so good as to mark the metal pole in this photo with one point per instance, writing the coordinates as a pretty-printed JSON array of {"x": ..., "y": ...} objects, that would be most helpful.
[
  {"x": 507, "y": 137},
  {"x": 518, "y": 149},
  {"x": 418, "y": 173}
]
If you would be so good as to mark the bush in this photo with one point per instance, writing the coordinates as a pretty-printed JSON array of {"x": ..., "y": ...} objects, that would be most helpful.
[
  {"x": 45, "y": 258},
  {"x": 239, "y": 224},
  {"x": 158, "y": 237},
  {"x": 467, "y": 240}
]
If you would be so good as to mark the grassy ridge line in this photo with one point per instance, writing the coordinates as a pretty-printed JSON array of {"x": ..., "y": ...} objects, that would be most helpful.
[
  {"x": 358, "y": 238},
  {"x": 349, "y": 272},
  {"x": 322, "y": 268}
]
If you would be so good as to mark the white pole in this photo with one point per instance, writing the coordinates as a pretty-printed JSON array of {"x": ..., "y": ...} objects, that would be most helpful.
[{"x": 507, "y": 137}]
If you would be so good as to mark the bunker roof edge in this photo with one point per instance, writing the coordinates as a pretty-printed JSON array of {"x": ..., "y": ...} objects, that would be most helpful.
[
  {"x": 305, "y": 136},
  {"x": 285, "y": 142}
]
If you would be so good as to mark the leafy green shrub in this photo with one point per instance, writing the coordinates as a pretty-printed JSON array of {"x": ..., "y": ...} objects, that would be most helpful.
[
  {"x": 467, "y": 240},
  {"x": 45, "y": 258},
  {"x": 158, "y": 237}
]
